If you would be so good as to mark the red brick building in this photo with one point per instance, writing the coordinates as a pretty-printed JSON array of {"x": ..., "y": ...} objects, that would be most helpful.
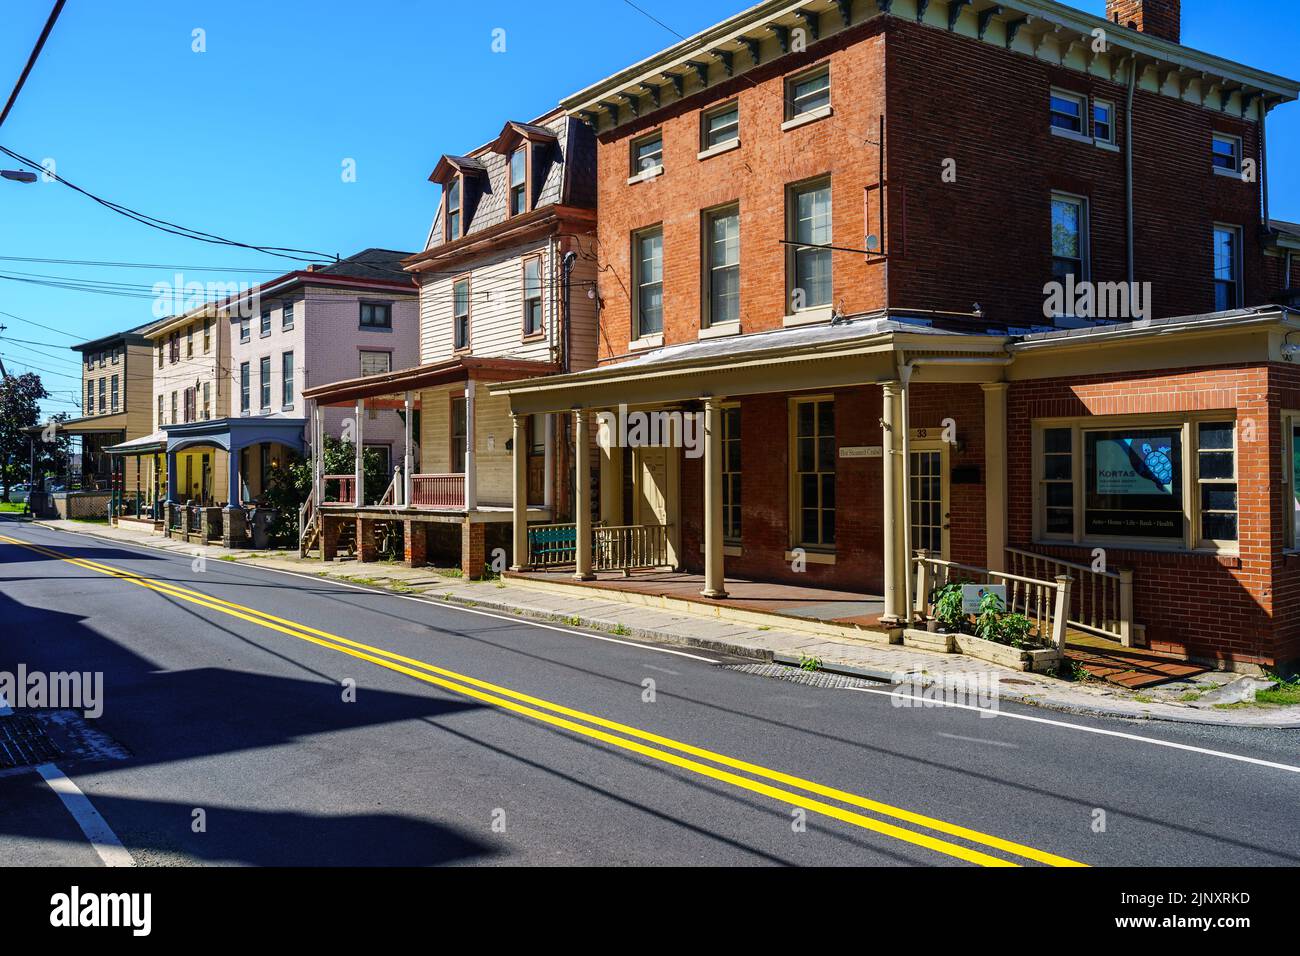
[{"x": 998, "y": 282}]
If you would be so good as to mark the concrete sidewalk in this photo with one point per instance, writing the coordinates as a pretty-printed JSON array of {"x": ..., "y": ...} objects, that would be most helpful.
[{"x": 766, "y": 643}]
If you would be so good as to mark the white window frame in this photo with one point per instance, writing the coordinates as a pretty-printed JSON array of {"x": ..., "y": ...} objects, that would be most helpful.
[
  {"x": 1083, "y": 133},
  {"x": 794, "y": 115},
  {"x": 639, "y": 333},
  {"x": 1108, "y": 140},
  {"x": 1085, "y": 230},
  {"x": 1187, "y": 424},
  {"x": 639, "y": 170},
  {"x": 1237, "y": 154}
]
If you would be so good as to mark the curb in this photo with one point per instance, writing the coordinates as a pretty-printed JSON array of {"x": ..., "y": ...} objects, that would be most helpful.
[{"x": 761, "y": 655}]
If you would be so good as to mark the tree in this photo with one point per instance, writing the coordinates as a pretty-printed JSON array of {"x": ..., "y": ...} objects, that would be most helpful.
[
  {"x": 54, "y": 448},
  {"x": 290, "y": 483},
  {"x": 20, "y": 409}
]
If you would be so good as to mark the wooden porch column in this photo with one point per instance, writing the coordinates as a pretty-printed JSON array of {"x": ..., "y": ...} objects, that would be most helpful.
[
  {"x": 408, "y": 458},
  {"x": 471, "y": 468},
  {"x": 714, "y": 583},
  {"x": 548, "y": 465},
  {"x": 318, "y": 454},
  {"x": 995, "y": 475},
  {"x": 360, "y": 450},
  {"x": 891, "y": 392},
  {"x": 582, "y": 495},
  {"x": 519, "y": 492}
]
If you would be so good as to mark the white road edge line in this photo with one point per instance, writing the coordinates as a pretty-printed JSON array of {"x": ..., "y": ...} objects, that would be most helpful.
[
  {"x": 986, "y": 712},
  {"x": 419, "y": 599},
  {"x": 96, "y": 828}
]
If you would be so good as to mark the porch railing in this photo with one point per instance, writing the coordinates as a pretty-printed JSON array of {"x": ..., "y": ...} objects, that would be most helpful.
[
  {"x": 1043, "y": 602},
  {"x": 347, "y": 493},
  {"x": 613, "y": 548},
  {"x": 438, "y": 491},
  {"x": 629, "y": 547},
  {"x": 552, "y": 546},
  {"x": 392, "y": 496},
  {"x": 1101, "y": 602}
]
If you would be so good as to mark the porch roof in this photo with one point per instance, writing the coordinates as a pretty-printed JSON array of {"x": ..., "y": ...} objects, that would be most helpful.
[
  {"x": 232, "y": 434},
  {"x": 87, "y": 425},
  {"x": 856, "y": 351},
  {"x": 1231, "y": 320},
  {"x": 459, "y": 369},
  {"x": 144, "y": 445}
]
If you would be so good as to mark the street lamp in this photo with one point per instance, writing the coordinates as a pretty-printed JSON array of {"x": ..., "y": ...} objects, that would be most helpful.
[{"x": 18, "y": 175}]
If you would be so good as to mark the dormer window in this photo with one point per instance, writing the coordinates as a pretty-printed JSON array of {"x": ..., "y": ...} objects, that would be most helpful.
[
  {"x": 453, "y": 210},
  {"x": 519, "y": 181}
]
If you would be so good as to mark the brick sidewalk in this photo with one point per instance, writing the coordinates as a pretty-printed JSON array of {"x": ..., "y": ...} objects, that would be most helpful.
[{"x": 708, "y": 633}]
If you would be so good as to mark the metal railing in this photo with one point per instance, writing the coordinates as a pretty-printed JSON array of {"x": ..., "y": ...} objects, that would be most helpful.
[
  {"x": 438, "y": 491},
  {"x": 629, "y": 547},
  {"x": 1101, "y": 602},
  {"x": 552, "y": 546},
  {"x": 613, "y": 548},
  {"x": 1043, "y": 602}
]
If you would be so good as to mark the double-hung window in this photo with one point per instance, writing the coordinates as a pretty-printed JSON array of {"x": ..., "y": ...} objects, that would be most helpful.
[
  {"x": 519, "y": 181},
  {"x": 286, "y": 380},
  {"x": 720, "y": 126},
  {"x": 1225, "y": 153},
  {"x": 1069, "y": 237},
  {"x": 722, "y": 265},
  {"x": 1216, "y": 478},
  {"x": 243, "y": 328},
  {"x": 808, "y": 93},
  {"x": 244, "y": 385},
  {"x": 266, "y": 324},
  {"x": 1069, "y": 112},
  {"x": 161, "y": 419},
  {"x": 460, "y": 314},
  {"x": 207, "y": 335},
  {"x": 264, "y": 380},
  {"x": 459, "y": 433},
  {"x": 286, "y": 316},
  {"x": 189, "y": 341},
  {"x": 731, "y": 502},
  {"x": 1103, "y": 121},
  {"x": 452, "y": 230},
  {"x": 207, "y": 401},
  {"x": 90, "y": 397},
  {"x": 113, "y": 404},
  {"x": 175, "y": 413},
  {"x": 103, "y": 397},
  {"x": 533, "y": 295},
  {"x": 648, "y": 153},
  {"x": 1227, "y": 268},
  {"x": 648, "y": 281},
  {"x": 814, "y": 473},
  {"x": 809, "y": 218}
]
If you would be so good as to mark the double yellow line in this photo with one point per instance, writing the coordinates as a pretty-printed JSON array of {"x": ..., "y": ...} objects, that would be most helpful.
[{"x": 598, "y": 728}]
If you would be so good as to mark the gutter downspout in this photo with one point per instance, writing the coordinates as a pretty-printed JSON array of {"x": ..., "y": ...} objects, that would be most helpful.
[
  {"x": 1128, "y": 171},
  {"x": 565, "y": 297},
  {"x": 1263, "y": 163},
  {"x": 569, "y": 466}
]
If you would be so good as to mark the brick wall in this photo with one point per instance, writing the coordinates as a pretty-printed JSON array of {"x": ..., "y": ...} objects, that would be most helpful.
[
  {"x": 755, "y": 175},
  {"x": 1162, "y": 18},
  {"x": 1213, "y": 607},
  {"x": 986, "y": 237}
]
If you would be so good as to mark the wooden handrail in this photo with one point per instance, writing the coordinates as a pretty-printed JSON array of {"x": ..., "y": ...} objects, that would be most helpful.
[{"x": 1101, "y": 604}]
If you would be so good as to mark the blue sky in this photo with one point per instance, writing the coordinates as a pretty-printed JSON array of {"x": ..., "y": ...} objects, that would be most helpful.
[{"x": 247, "y": 139}]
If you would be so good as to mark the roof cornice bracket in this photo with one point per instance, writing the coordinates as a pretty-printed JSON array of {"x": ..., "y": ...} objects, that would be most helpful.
[
  {"x": 701, "y": 71},
  {"x": 846, "y": 11},
  {"x": 755, "y": 48},
  {"x": 782, "y": 36},
  {"x": 986, "y": 17},
  {"x": 921, "y": 7},
  {"x": 589, "y": 118},
  {"x": 1013, "y": 27},
  {"x": 613, "y": 113},
  {"x": 633, "y": 101},
  {"x": 1248, "y": 100},
  {"x": 884, "y": 5},
  {"x": 676, "y": 80},
  {"x": 812, "y": 20},
  {"x": 727, "y": 59},
  {"x": 954, "y": 13},
  {"x": 655, "y": 96}
]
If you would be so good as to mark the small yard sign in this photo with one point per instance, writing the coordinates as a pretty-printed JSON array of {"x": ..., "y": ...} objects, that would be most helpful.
[{"x": 972, "y": 594}]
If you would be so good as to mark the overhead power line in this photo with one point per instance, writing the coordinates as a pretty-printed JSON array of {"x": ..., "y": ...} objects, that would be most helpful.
[{"x": 31, "y": 60}]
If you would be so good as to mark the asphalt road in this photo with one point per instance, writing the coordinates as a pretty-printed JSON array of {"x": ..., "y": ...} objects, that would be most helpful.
[{"x": 476, "y": 738}]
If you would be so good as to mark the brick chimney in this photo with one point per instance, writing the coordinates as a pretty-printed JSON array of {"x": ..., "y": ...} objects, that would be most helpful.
[{"x": 1160, "y": 18}]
